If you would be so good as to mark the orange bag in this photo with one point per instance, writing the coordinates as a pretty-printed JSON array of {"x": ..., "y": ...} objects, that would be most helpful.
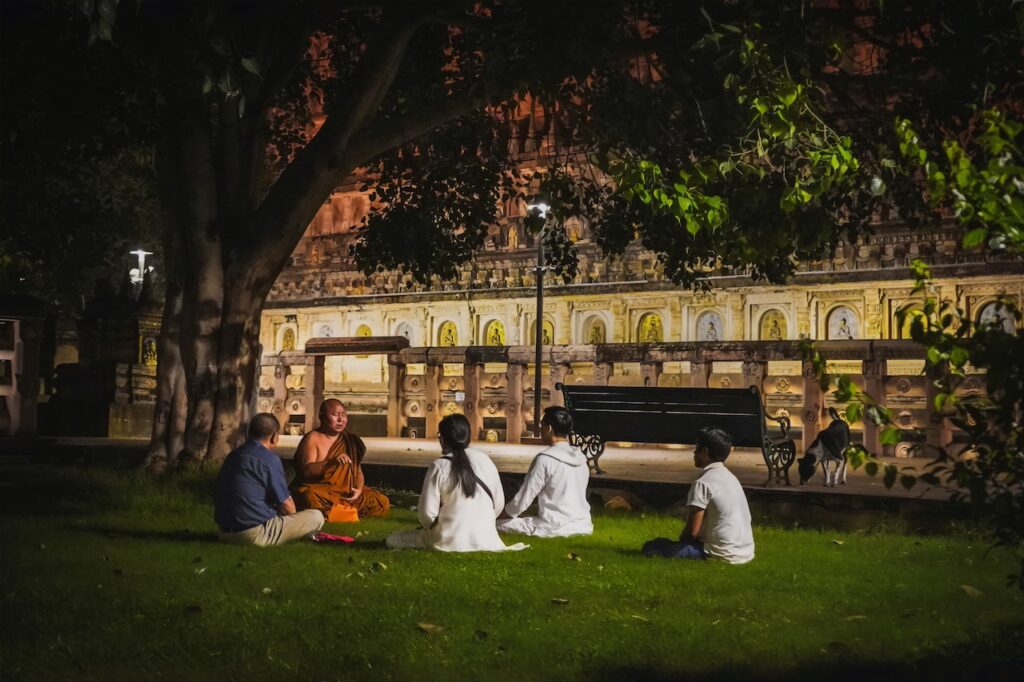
[{"x": 343, "y": 513}]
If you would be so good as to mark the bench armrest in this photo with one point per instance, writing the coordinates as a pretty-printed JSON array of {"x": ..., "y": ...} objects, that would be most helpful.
[{"x": 783, "y": 422}]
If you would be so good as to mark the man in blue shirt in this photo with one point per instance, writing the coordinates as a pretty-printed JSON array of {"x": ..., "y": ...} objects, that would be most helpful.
[{"x": 252, "y": 505}]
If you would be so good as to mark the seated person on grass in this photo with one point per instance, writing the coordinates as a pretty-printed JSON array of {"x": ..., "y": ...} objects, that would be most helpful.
[
  {"x": 718, "y": 518},
  {"x": 461, "y": 497},
  {"x": 251, "y": 490},
  {"x": 329, "y": 472},
  {"x": 557, "y": 479}
]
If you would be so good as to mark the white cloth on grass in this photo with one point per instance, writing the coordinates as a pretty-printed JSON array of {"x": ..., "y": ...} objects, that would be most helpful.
[
  {"x": 725, "y": 530},
  {"x": 453, "y": 522},
  {"x": 557, "y": 479}
]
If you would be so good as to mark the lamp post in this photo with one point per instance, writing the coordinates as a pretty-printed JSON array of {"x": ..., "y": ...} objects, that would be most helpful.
[
  {"x": 137, "y": 275},
  {"x": 542, "y": 210}
]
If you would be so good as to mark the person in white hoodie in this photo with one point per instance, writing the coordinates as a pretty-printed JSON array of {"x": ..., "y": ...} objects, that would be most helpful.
[
  {"x": 557, "y": 479},
  {"x": 461, "y": 497}
]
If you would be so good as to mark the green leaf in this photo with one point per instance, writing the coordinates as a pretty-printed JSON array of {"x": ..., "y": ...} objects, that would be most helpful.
[
  {"x": 871, "y": 468},
  {"x": 789, "y": 95},
  {"x": 975, "y": 237},
  {"x": 104, "y": 30},
  {"x": 908, "y": 481},
  {"x": 890, "y": 435},
  {"x": 251, "y": 65},
  {"x": 889, "y": 478},
  {"x": 220, "y": 45},
  {"x": 959, "y": 356}
]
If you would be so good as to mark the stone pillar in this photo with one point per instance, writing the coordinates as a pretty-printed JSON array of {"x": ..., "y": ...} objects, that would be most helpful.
[
  {"x": 810, "y": 414},
  {"x": 938, "y": 432},
  {"x": 602, "y": 372},
  {"x": 396, "y": 415},
  {"x": 738, "y": 331},
  {"x": 279, "y": 406},
  {"x": 650, "y": 371},
  {"x": 314, "y": 389},
  {"x": 700, "y": 372},
  {"x": 874, "y": 386},
  {"x": 432, "y": 395},
  {"x": 472, "y": 374},
  {"x": 557, "y": 371},
  {"x": 514, "y": 422},
  {"x": 27, "y": 375},
  {"x": 754, "y": 373}
]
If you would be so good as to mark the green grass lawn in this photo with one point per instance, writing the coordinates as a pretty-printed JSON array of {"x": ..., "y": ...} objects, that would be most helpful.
[{"x": 110, "y": 576}]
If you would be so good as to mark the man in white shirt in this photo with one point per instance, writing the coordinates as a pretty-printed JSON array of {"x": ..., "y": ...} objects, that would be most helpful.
[
  {"x": 718, "y": 518},
  {"x": 557, "y": 479}
]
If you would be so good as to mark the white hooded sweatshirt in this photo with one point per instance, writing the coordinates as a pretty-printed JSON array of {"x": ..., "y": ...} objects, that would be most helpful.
[{"x": 558, "y": 479}]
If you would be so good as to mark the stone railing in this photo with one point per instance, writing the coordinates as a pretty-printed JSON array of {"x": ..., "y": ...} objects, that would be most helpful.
[{"x": 493, "y": 387}]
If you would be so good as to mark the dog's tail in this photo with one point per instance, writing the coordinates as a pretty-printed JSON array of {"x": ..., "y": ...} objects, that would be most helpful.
[{"x": 835, "y": 413}]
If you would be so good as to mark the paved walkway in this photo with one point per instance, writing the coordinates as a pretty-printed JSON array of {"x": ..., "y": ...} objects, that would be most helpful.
[
  {"x": 659, "y": 465},
  {"x": 646, "y": 464}
]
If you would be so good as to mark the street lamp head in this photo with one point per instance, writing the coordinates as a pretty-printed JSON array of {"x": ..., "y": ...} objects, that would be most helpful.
[
  {"x": 137, "y": 274},
  {"x": 541, "y": 208}
]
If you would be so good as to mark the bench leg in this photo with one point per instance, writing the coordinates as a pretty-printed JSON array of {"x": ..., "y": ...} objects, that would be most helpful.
[
  {"x": 789, "y": 449},
  {"x": 596, "y": 450},
  {"x": 765, "y": 452},
  {"x": 778, "y": 457}
]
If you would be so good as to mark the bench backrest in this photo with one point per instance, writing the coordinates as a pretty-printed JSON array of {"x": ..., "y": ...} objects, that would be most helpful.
[{"x": 644, "y": 414}]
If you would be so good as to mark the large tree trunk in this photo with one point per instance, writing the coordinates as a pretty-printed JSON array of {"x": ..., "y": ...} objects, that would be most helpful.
[
  {"x": 171, "y": 410},
  {"x": 239, "y": 359},
  {"x": 228, "y": 238}
]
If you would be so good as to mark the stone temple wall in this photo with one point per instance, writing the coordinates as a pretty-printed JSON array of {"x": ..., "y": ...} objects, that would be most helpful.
[{"x": 854, "y": 295}]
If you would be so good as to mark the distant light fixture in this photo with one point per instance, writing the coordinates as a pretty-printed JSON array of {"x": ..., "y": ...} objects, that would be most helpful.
[
  {"x": 137, "y": 274},
  {"x": 541, "y": 208}
]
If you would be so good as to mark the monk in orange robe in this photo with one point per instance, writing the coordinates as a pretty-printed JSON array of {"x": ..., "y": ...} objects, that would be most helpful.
[{"x": 329, "y": 472}]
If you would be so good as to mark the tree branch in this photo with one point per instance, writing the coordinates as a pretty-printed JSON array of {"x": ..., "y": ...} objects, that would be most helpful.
[
  {"x": 348, "y": 140},
  {"x": 311, "y": 176}
]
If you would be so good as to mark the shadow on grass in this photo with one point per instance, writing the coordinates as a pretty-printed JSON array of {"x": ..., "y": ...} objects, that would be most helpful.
[
  {"x": 35, "y": 487},
  {"x": 997, "y": 660},
  {"x": 183, "y": 535},
  {"x": 31, "y": 489}
]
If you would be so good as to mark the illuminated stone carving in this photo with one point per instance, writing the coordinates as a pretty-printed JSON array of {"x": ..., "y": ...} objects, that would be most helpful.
[
  {"x": 709, "y": 327},
  {"x": 494, "y": 333},
  {"x": 288, "y": 339},
  {"x": 447, "y": 335},
  {"x": 773, "y": 326},
  {"x": 842, "y": 324},
  {"x": 650, "y": 329}
]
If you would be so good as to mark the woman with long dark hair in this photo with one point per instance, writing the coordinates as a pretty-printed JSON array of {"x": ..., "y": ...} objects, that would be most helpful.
[{"x": 461, "y": 498}]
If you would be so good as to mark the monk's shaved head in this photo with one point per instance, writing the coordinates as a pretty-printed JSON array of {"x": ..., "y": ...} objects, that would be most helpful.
[
  {"x": 326, "y": 405},
  {"x": 333, "y": 416}
]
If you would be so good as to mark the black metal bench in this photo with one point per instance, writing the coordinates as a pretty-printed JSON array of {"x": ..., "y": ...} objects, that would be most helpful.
[{"x": 642, "y": 414}]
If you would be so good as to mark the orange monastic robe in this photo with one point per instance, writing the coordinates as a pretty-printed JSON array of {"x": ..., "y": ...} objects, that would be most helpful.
[{"x": 338, "y": 478}]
